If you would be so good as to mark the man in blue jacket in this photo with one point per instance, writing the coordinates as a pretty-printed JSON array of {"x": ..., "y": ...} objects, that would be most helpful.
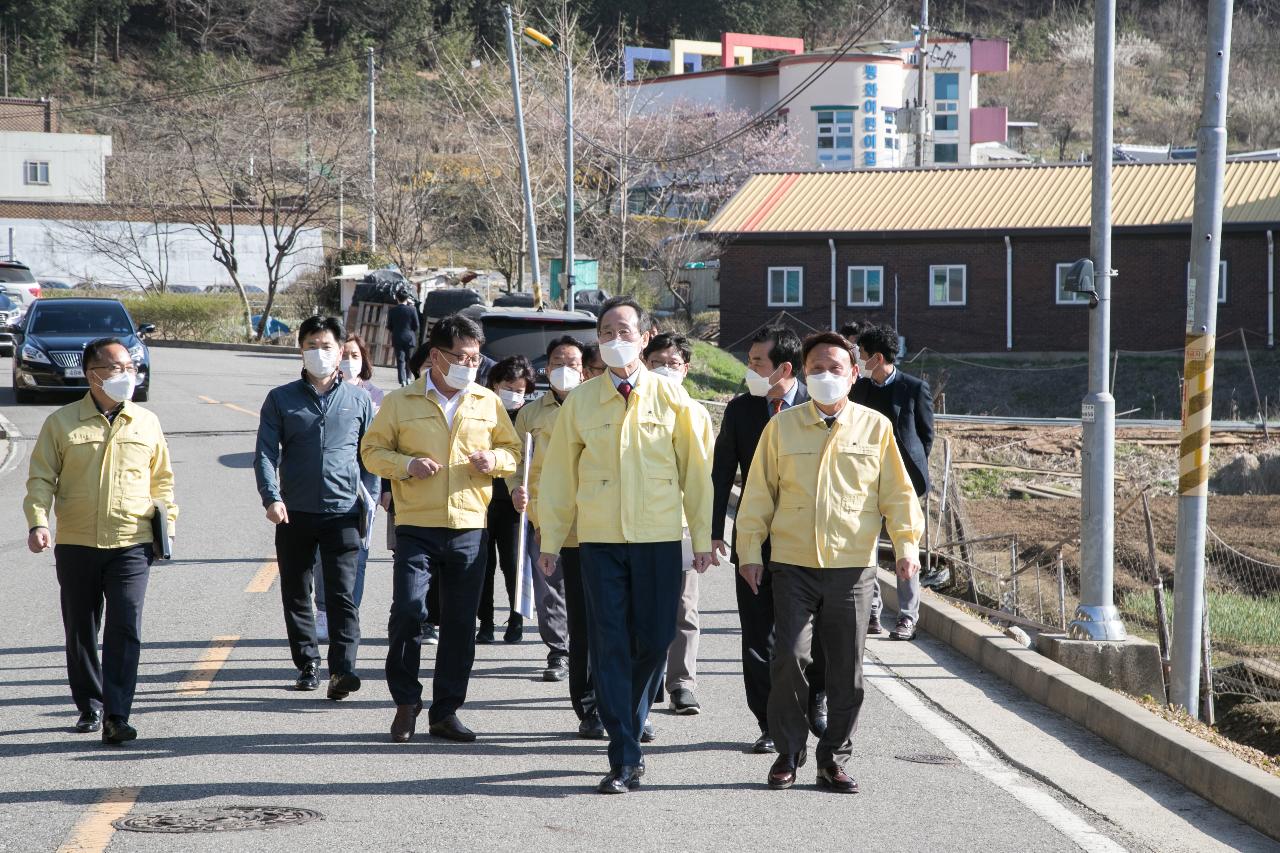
[{"x": 308, "y": 470}]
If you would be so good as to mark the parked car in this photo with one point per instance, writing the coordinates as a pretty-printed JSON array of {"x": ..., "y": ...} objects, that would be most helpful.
[
  {"x": 525, "y": 331},
  {"x": 185, "y": 288},
  {"x": 250, "y": 289},
  {"x": 18, "y": 282},
  {"x": 10, "y": 312},
  {"x": 55, "y": 284},
  {"x": 49, "y": 341}
]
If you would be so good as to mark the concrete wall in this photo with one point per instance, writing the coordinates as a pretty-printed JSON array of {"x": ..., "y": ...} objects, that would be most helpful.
[{"x": 77, "y": 165}]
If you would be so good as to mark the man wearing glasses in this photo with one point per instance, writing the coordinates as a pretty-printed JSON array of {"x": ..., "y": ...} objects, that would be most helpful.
[
  {"x": 441, "y": 441},
  {"x": 101, "y": 465}
]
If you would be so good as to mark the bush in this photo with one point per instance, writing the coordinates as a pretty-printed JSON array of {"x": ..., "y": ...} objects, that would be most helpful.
[{"x": 189, "y": 316}]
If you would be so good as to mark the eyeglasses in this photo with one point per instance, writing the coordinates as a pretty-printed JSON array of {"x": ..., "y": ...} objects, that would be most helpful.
[
  {"x": 461, "y": 358},
  {"x": 675, "y": 364},
  {"x": 116, "y": 369}
]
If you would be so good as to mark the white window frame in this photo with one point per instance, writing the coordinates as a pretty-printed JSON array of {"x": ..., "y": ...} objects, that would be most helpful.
[
  {"x": 964, "y": 285},
  {"x": 835, "y": 131},
  {"x": 1062, "y": 297},
  {"x": 799, "y": 271},
  {"x": 35, "y": 167},
  {"x": 1222, "y": 282},
  {"x": 864, "y": 302}
]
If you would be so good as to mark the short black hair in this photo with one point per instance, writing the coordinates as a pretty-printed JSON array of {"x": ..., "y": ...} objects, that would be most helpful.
[
  {"x": 512, "y": 367},
  {"x": 447, "y": 331},
  {"x": 785, "y": 349},
  {"x": 879, "y": 339},
  {"x": 95, "y": 347},
  {"x": 852, "y": 329},
  {"x": 418, "y": 359},
  {"x": 566, "y": 341},
  {"x": 667, "y": 340},
  {"x": 644, "y": 322},
  {"x": 829, "y": 339},
  {"x": 590, "y": 353},
  {"x": 317, "y": 323}
]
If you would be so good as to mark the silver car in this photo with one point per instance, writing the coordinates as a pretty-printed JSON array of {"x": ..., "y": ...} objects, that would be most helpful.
[{"x": 17, "y": 282}]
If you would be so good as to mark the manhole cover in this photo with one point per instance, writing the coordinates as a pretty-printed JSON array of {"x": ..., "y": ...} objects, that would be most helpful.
[
  {"x": 218, "y": 819},
  {"x": 926, "y": 758}
]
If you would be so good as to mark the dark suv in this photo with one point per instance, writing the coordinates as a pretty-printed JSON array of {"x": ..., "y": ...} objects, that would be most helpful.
[
  {"x": 525, "y": 331},
  {"x": 50, "y": 340}
]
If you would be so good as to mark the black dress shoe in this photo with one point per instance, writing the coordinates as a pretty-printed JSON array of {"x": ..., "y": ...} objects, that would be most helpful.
[
  {"x": 406, "y": 720},
  {"x": 818, "y": 715},
  {"x": 308, "y": 678},
  {"x": 873, "y": 625},
  {"x": 591, "y": 728},
  {"x": 764, "y": 745},
  {"x": 835, "y": 779},
  {"x": 343, "y": 685},
  {"x": 515, "y": 629},
  {"x": 782, "y": 774},
  {"x": 649, "y": 733},
  {"x": 557, "y": 669},
  {"x": 484, "y": 636},
  {"x": 451, "y": 728},
  {"x": 905, "y": 629},
  {"x": 621, "y": 779},
  {"x": 117, "y": 731},
  {"x": 90, "y": 721}
]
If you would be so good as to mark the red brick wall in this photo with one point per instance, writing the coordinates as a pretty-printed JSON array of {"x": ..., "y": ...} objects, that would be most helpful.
[{"x": 1148, "y": 295}]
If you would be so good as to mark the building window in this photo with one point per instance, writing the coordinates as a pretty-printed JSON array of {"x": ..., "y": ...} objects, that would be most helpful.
[
  {"x": 1064, "y": 296},
  {"x": 36, "y": 172},
  {"x": 946, "y": 152},
  {"x": 835, "y": 137},
  {"x": 1222, "y": 282},
  {"x": 946, "y": 102},
  {"x": 947, "y": 285},
  {"x": 786, "y": 287},
  {"x": 866, "y": 287}
]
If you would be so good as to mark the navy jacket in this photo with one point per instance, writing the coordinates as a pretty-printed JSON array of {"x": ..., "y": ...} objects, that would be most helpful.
[
  {"x": 402, "y": 321},
  {"x": 308, "y": 452},
  {"x": 911, "y": 413}
]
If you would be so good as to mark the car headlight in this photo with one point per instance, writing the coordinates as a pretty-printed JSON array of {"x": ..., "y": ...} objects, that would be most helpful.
[
  {"x": 138, "y": 353},
  {"x": 30, "y": 353}
]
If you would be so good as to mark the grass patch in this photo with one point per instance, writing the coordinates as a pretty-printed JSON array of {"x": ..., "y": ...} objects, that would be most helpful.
[
  {"x": 715, "y": 374},
  {"x": 982, "y": 483},
  {"x": 1236, "y": 621}
]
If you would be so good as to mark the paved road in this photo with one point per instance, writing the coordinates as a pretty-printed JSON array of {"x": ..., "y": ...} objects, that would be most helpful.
[{"x": 225, "y": 732}]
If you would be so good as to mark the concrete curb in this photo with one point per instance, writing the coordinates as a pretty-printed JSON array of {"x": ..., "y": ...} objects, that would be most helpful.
[
  {"x": 268, "y": 348},
  {"x": 1233, "y": 785}
]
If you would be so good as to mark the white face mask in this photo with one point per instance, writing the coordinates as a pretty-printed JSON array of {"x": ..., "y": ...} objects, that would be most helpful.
[
  {"x": 757, "y": 385},
  {"x": 120, "y": 387},
  {"x": 320, "y": 363},
  {"x": 460, "y": 376},
  {"x": 668, "y": 373},
  {"x": 351, "y": 368},
  {"x": 618, "y": 353},
  {"x": 511, "y": 399},
  {"x": 827, "y": 388},
  {"x": 564, "y": 379}
]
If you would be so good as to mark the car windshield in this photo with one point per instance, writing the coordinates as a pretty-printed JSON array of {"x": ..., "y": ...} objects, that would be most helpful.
[
  {"x": 66, "y": 318},
  {"x": 17, "y": 274},
  {"x": 505, "y": 337}
]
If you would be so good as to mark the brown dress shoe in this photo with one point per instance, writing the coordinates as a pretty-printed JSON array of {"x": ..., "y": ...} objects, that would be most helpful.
[
  {"x": 783, "y": 773},
  {"x": 406, "y": 721},
  {"x": 835, "y": 779}
]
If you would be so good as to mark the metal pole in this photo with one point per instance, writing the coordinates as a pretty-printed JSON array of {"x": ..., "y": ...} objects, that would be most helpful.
[
  {"x": 6, "y": 75},
  {"x": 373, "y": 161},
  {"x": 342, "y": 218},
  {"x": 570, "y": 268},
  {"x": 1197, "y": 399},
  {"x": 1097, "y": 618},
  {"x": 921, "y": 65},
  {"x": 530, "y": 225}
]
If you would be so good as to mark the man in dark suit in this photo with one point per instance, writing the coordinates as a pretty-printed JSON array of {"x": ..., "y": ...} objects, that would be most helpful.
[
  {"x": 906, "y": 401},
  {"x": 773, "y": 367},
  {"x": 402, "y": 322}
]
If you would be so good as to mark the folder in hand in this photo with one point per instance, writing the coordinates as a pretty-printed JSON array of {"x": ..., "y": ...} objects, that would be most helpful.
[{"x": 161, "y": 538}]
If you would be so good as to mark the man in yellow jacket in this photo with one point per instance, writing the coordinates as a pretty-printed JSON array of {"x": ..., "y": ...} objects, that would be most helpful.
[
  {"x": 824, "y": 476},
  {"x": 627, "y": 463},
  {"x": 100, "y": 466},
  {"x": 441, "y": 441}
]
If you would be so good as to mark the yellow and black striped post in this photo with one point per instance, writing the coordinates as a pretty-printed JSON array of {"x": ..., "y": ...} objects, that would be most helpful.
[{"x": 1197, "y": 411}]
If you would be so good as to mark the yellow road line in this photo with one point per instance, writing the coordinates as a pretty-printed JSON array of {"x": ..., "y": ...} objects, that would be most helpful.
[
  {"x": 205, "y": 399},
  {"x": 206, "y": 669},
  {"x": 233, "y": 407},
  {"x": 264, "y": 578},
  {"x": 92, "y": 833}
]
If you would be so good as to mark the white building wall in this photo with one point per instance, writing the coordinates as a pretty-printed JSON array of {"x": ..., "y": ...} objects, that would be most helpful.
[
  {"x": 77, "y": 165},
  {"x": 61, "y": 250}
]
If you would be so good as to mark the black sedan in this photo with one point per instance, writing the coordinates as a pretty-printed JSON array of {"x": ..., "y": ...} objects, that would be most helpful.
[{"x": 50, "y": 340}]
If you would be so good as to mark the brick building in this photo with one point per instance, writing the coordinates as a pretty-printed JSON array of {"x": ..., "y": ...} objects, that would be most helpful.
[{"x": 973, "y": 259}]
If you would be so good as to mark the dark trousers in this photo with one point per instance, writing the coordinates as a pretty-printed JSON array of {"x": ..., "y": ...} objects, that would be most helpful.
[
  {"x": 88, "y": 579},
  {"x": 336, "y": 540},
  {"x": 632, "y": 591},
  {"x": 403, "y": 352},
  {"x": 755, "y": 614},
  {"x": 581, "y": 691},
  {"x": 504, "y": 537},
  {"x": 834, "y": 604},
  {"x": 452, "y": 560}
]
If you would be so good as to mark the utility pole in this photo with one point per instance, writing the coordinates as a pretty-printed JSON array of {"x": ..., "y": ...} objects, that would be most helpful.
[
  {"x": 342, "y": 215},
  {"x": 570, "y": 267},
  {"x": 373, "y": 161},
  {"x": 1197, "y": 394},
  {"x": 1097, "y": 617},
  {"x": 531, "y": 226},
  {"x": 922, "y": 63}
]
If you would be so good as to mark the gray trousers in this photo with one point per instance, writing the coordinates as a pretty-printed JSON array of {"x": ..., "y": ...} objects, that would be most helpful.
[
  {"x": 548, "y": 600},
  {"x": 836, "y": 603},
  {"x": 908, "y": 598},
  {"x": 682, "y": 657}
]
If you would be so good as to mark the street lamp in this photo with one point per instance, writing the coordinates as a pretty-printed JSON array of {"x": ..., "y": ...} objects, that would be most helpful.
[{"x": 569, "y": 270}]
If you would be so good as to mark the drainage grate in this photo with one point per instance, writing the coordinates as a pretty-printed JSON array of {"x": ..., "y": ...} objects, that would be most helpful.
[
  {"x": 218, "y": 819},
  {"x": 926, "y": 758}
]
